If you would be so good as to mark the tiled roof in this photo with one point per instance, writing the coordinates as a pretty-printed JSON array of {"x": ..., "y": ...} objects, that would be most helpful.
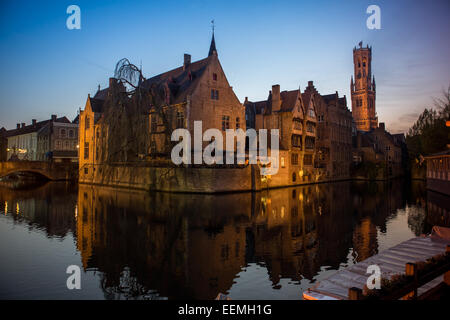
[
  {"x": 288, "y": 100},
  {"x": 180, "y": 81},
  {"x": 33, "y": 128},
  {"x": 97, "y": 104}
]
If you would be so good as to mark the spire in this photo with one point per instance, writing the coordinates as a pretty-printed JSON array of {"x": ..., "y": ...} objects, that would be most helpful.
[{"x": 212, "y": 47}]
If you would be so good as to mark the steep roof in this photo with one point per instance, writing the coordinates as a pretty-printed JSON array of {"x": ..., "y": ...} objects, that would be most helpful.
[
  {"x": 97, "y": 104},
  {"x": 288, "y": 100},
  {"x": 180, "y": 81}
]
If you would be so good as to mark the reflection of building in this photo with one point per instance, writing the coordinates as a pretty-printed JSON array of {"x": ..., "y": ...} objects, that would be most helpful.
[
  {"x": 438, "y": 210},
  {"x": 54, "y": 214},
  {"x": 183, "y": 248},
  {"x": 438, "y": 172}
]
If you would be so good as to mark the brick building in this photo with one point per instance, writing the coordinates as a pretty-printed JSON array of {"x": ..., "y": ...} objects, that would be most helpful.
[
  {"x": 363, "y": 90},
  {"x": 380, "y": 147},
  {"x": 334, "y": 134},
  {"x": 293, "y": 114},
  {"x": 195, "y": 91},
  {"x": 23, "y": 141}
]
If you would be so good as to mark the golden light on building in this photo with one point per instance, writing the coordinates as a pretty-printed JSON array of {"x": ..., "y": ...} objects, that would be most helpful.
[
  {"x": 300, "y": 197},
  {"x": 17, "y": 208},
  {"x": 6, "y": 207}
]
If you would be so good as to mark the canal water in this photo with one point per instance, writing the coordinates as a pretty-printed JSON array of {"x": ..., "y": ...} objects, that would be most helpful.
[{"x": 138, "y": 245}]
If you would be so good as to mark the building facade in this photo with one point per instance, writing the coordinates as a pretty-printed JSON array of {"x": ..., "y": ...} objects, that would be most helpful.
[
  {"x": 195, "y": 91},
  {"x": 58, "y": 141},
  {"x": 293, "y": 114},
  {"x": 363, "y": 90},
  {"x": 23, "y": 141},
  {"x": 334, "y": 135},
  {"x": 438, "y": 172},
  {"x": 380, "y": 148}
]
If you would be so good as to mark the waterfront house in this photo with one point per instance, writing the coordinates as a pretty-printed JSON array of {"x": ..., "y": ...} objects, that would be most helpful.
[
  {"x": 23, "y": 141},
  {"x": 438, "y": 172}
]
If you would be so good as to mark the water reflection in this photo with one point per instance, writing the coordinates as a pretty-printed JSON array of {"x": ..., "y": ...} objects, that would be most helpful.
[{"x": 161, "y": 245}]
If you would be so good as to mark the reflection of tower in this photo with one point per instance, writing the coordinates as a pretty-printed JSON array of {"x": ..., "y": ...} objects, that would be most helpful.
[
  {"x": 365, "y": 239},
  {"x": 363, "y": 90}
]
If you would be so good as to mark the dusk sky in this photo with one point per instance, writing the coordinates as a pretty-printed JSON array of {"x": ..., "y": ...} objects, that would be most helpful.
[{"x": 48, "y": 69}]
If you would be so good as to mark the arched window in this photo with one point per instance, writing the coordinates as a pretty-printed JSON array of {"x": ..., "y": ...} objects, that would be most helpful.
[{"x": 63, "y": 133}]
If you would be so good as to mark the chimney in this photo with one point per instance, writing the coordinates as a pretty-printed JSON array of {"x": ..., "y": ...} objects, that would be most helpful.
[
  {"x": 381, "y": 126},
  {"x": 33, "y": 121},
  {"x": 23, "y": 125},
  {"x": 112, "y": 82},
  {"x": 53, "y": 117},
  {"x": 310, "y": 84},
  {"x": 18, "y": 126},
  {"x": 276, "y": 99},
  {"x": 187, "y": 61}
]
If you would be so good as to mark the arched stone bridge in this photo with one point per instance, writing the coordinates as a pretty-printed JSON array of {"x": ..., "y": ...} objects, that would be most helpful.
[{"x": 48, "y": 169}]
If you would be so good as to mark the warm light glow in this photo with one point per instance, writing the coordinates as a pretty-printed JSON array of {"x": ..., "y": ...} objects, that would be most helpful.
[
  {"x": 6, "y": 207},
  {"x": 78, "y": 146},
  {"x": 17, "y": 208},
  {"x": 300, "y": 173},
  {"x": 447, "y": 123},
  {"x": 76, "y": 211},
  {"x": 300, "y": 196},
  {"x": 22, "y": 150}
]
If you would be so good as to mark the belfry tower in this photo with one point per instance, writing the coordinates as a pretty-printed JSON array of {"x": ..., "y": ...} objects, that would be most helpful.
[{"x": 363, "y": 90}]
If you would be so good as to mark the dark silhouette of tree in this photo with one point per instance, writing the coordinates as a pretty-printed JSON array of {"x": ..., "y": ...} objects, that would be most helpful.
[
  {"x": 125, "y": 134},
  {"x": 429, "y": 133}
]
